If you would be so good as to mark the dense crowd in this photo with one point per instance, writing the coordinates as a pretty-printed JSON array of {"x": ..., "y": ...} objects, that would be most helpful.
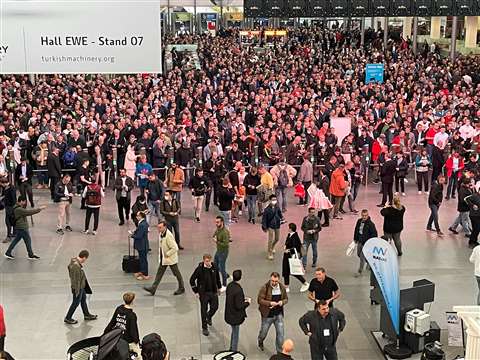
[{"x": 251, "y": 123}]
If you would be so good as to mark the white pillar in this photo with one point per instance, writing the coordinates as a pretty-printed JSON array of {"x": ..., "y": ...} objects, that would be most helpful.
[
  {"x": 435, "y": 27},
  {"x": 407, "y": 27},
  {"x": 471, "y": 27},
  {"x": 471, "y": 318}
]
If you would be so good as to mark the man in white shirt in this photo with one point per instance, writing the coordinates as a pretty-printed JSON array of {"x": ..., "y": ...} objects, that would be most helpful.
[
  {"x": 467, "y": 132},
  {"x": 475, "y": 259},
  {"x": 441, "y": 138}
]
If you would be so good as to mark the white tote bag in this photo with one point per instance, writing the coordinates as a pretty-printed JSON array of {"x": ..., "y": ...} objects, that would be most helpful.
[
  {"x": 296, "y": 266},
  {"x": 351, "y": 248}
]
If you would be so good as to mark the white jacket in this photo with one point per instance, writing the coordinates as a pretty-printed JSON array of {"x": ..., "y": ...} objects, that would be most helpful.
[{"x": 475, "y": 259}]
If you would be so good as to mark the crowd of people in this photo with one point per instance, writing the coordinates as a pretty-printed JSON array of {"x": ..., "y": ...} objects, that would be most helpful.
[{"x": 240, "y": 133}]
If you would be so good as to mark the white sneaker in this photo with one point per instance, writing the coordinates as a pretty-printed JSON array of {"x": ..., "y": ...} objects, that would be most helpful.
[
  {"x": 223, "y": 289},
  {"x": 94, "y": 232},
  {"x": 85, "y": 232},
  {"x": 419, "y": 193},
  {"x": 403, "y": 194},
  {"x": 287, "y": 289},
  {"x": 240, "y": 213},
  {"x": 304, "y": 287}
]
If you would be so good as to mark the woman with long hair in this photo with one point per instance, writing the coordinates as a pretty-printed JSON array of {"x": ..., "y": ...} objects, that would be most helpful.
[{"x": 393, "y": 222}]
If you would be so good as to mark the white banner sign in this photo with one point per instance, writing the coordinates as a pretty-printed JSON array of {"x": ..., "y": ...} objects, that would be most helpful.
[
  {"x": 342, "y": 126},
  {"x": 455, "y": 329},
  {"x": 80, "y": 37}
]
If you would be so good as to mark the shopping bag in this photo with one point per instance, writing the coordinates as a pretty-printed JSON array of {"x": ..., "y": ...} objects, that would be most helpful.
[
  {"x": 296, "y": 266},
  {"x": 299, "y": 191},
  {"x": 351, "y": 248}
]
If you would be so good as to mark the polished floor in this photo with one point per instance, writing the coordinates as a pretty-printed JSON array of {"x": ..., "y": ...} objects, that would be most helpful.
[{"x": 36, "y": 295}]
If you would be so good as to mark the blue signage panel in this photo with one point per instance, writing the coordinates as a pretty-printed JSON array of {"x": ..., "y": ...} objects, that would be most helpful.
[{"x": 374, "y": 72}]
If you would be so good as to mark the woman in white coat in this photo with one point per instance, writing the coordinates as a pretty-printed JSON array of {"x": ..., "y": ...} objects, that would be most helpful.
[{"x": 130, "y": 161}]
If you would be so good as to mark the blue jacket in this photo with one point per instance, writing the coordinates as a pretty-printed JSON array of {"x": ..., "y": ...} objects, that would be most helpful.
[
  {"x": 143, "y": 169},
  {"x": 140, "y": 236},
  {"x": 272, "y": 217}
]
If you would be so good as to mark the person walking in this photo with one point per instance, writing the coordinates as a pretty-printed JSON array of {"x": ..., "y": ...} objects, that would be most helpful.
[
  {"x": 462, "y": 218},
  {"x": 225, "y": 197},
  {"x": 338, "y": 189},
  {"x": 387, "y": 173},
  {"x": 272, "y": 218},
  {"x": 205, "y": 283},
  {"x": 287, "y": 349},
  {"x": 401, "y": 172},
  {"x": 9, "y": 199},
  {"x": 198, "y": 184},
  {"x": 322, "y": 326},
  {"x": 221, "y": 237},
  {"x": 393, "y": 222},
  {"x": 63, "y": 195},
  {"x": 154, "y": 192},
  {"x": 54, "y": 170},
  {"x": 251, "y": 183},
  {"x": 92, "y": 194},
  {"x": 123, "y": 188},
  {"x": 140, "y": 243},
  {"x": 434, "y": 201},
  {"x": 323, "y": 287},
  {"x": 475, "y": 260},
  {"x": 235, "y": 308},
  {"x": 168, "y": 257},
  {"x": 21, "y": 226},
  {"x": 23, "y": 179},
  {"x": 142, "y": 170},
  {"x": 80, "y": 288},
  {"x": 454, "y": 166},
  {"x": 283, "y": 175},
  {"x": 324, "y": 185},
  {"x": 311, "y": 228},
  {"x": 292, "y": 247},
  {"x": 305, "y": 177},
  {"x": 170, "y": 210},
  {"x": 365, "y": 229},
  {"x": 124, "y": 318},
  {"x": 271, "y": 299},
  {"x": 422, "y": 165},
  {"x": 473, "y": 202}
]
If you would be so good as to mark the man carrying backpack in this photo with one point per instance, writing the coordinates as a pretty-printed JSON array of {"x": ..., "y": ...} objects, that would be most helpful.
[
  {"x": 92, "y": 194},
  {"x": 20, "y": 224},
  {"x": 282, "y": 174}
]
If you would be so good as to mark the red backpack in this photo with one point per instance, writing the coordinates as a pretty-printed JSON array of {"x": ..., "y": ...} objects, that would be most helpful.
[{"x": 94, "y": 196}]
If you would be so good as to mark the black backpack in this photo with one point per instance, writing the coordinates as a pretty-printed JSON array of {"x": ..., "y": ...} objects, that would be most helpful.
[{"x": 153, "y": 348}]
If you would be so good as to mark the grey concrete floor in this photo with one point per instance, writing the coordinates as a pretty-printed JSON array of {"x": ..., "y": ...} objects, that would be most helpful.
[{"x": 36, "y": 295}]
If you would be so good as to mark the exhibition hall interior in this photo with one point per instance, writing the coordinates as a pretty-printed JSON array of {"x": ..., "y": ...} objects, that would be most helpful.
[{"x": 239, "y": 179}]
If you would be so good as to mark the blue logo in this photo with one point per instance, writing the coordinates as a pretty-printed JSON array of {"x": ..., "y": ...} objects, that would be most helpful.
[{"x": 379, "y": 251}]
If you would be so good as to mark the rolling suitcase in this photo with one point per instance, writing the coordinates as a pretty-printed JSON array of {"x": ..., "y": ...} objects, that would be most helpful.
[{"x": 131, "y": 262}]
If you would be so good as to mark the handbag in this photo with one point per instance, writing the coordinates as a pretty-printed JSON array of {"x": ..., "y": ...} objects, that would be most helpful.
[
  {"x": 296, "y": 265},
  {"x": 351, "y": 248}
]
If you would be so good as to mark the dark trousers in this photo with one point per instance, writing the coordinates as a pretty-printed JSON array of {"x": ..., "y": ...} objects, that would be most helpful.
[
  {"x": 123, "y": 205},
  {"x": 142, "y": 255},
  {"x": 306, "y": 185},
  {"x": 326, "y": 216},
  {"x": 319, "y": 352},
  {"x": 452, "y": 185},
  {"x": 208, "y": 306},
  {"x": 80, "y": 299},
  {"x": 174, "y": 226},
  {"x": 96, "y": 214},
  {"x": 435, "y": 172},
  {"x": 387, "y": 190},
  {"x": 208, "y": 196},
  {"x": 19, "y": 235},
  {"x": 2, "y": 343},
  {"x": 8, "y": 221},
  {"x": 399, "y": 184},
  {"x": 53, "y": 182},
  {"x": 298, "y": 277},
  {"x": 433, "y": 217},
  {"x": 475, "y": 230},
  {"x": 26, "y": 190},
  {"x": 161, "y": 270},
  {"x": 422, "y": 176}
]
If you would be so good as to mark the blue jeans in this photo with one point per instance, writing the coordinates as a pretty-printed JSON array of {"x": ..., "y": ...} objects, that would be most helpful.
[
  {"x": 142, "y": 255},
  {"x": 21, "y": 234},
  {"x": 464, "y": 220},
  {"x": 433, "y": 217},
  {"x": 281, "y": 194},
  {"x": 226, "y": 218},
  {"x": 220, "y": 261},
  {"x": 306, "y": 245},
  {"x": 80, "y": 299},
  {"x": 234, "y": 337},
  {"x": 251, "y": 204},
  {"x": 267, "y": 322},
  {"x": 154, "y": 208}
]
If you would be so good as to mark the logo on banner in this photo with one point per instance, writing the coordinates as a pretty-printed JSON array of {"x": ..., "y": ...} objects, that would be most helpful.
[
  {"x": 3, "y": 51},
  {"x": 383, "y": 261}
]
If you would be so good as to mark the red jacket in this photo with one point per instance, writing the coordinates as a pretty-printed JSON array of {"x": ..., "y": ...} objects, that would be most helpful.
[
  {"x": 3, "y": 330},
  {"x": 376, "y": 150},
  {"x": 449, "y": 166}
]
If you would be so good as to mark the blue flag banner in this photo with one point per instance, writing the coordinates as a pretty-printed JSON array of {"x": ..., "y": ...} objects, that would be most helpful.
[
  {"x": 374, "y": 73},
  {"x": 382, "y": 258}
]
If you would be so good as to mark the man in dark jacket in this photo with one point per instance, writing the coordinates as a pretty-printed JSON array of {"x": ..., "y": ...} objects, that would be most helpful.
[
  {"x": 206, "y": 284},
  {"x": 235, "y": 305},
  {"x": 271, "y": 220},
  {"x": 463, "y": 209},
  {"x": 311, "y": 228},
  {"x": 322, "y": 326},
  {"x": 198, "y": 184},
  {"x": 139, "y": 205},
  {"x": 123, "y": 187},
  {"x": 387, "y": 174},
  {"x": 225, "y": 196},
  {"x": 364, "y": 230},
  {"x": 10, "y": 199},
  {"x": 154, "y": 192},
  {"x": 140, "y": 243},
  {"x": 54, "y": 170},
  {"x": 473, "y": 202},
  {"x": 23, "y": 179},
  {"x": 434, "y": 201},
  {"x": 170, "y": 209}
]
